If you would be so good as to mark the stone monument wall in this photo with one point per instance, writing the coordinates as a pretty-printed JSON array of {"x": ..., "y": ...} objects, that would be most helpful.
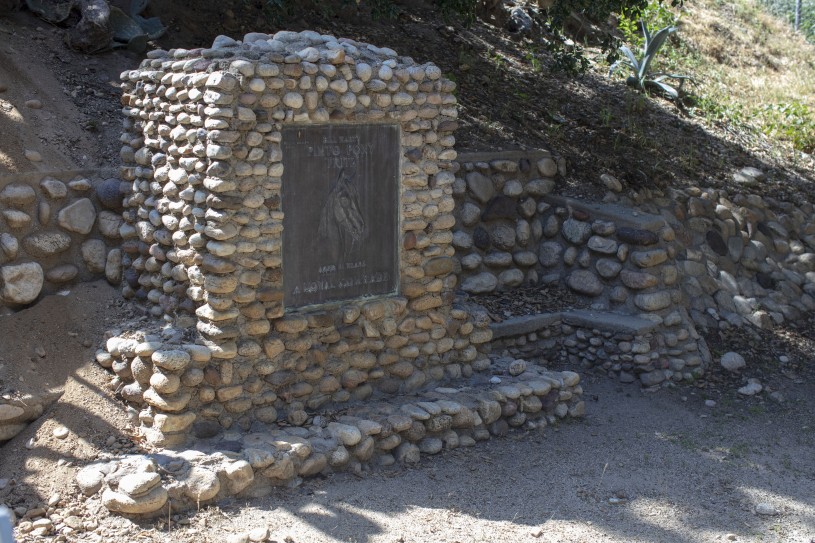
[{"x": 329, "y": 157}]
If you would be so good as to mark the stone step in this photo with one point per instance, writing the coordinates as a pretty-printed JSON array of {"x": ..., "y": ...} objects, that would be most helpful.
[
  {"x": 621, "y": 216},
  {"x": 582, "y": 318},
  {"x": 608, "y": 322},
  {"x": 251, "y": 462}
]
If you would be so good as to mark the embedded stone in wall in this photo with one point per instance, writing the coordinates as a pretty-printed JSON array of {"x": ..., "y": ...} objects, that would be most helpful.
[
  {"x": 340, "y": 203},
  {"x": 21, "y": 283}
]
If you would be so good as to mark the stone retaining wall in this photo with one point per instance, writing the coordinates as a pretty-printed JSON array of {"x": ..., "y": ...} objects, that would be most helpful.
[
  {"x": 742, "y": 258},
  {"x": 57, "y": 228}
]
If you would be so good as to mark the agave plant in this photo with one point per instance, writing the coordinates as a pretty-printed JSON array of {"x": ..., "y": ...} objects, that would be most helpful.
[{"x": 641, "y": 76}]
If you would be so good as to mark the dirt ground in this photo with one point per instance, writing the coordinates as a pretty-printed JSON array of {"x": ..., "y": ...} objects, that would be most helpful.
[{"x": 641, "y": 467}]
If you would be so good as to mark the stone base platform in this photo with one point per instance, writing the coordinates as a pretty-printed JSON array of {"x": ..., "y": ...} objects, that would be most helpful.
[{"x": 378, "y": 433}]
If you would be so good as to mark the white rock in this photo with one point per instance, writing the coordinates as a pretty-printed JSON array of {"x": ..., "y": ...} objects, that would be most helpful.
[
  {"x": 95, "y": 255},
  {"x": 766, "y": 509},
  {"x": 517, "y": 367},
  {"x": 138, "y": 484},
  {"x": 732, "y": 361},
  {"x": 78, "y": 216},
  {"x": 119, "y": 502},
  {"x": 752, "y": 388},
  {"x": 611, "y": 182},
  {"x": 21, "y": 283},
  {"x": 348, "y": 435},
  {"x": 90, "y": 480},
  {"x": 258, "y": 535}
]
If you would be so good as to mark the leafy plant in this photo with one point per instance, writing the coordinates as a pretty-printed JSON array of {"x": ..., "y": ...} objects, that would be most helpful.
[{"x": 641, "y": 75}]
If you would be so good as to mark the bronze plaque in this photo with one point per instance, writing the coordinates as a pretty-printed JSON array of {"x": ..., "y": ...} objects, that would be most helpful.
[{"x": 341, "y": 212}]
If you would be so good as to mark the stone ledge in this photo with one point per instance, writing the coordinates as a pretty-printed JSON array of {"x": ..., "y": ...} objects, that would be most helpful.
[
  {"x": 376, "y": 434},
  {"x": 622, "y": 216},
  {"x": 608, "y": 322},
  {"x": 525, "y": 324}
]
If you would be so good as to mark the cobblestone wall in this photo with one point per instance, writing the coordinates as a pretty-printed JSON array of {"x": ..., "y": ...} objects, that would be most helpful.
[
  {"x": 742, "y": 258},
  {"x": 56, "y": 229}
]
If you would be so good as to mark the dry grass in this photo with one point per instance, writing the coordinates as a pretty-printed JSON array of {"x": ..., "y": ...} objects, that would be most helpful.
[{"x": 750, "y": 68}]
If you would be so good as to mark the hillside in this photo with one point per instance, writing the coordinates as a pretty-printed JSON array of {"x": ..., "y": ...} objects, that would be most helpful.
[{"x": 751, "y": 75}]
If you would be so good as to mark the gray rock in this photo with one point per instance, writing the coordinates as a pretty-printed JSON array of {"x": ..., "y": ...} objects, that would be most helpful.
[
  {"x": 748, "y": 176},
  {"x": 732, "y": 361},
  {"x": 576, "y": 232},
  {"x": 109, "y": 224},
  {"x": 471, "y": 262},
  {"x": 498, "y": 259},
  {"x": 585, "y": 282},
  {"x": 53, "y": 188},
  {"x": 653, "y": 301},
  {"x": 78, "y": 216},
  {"x": 113, "y": 267},
  {"x": 90, "y": 479},
  {"x": 462, "y": 240},
  {"x": 608, "y": 268},
  {"x": 171, "y": 360},
  {"x": 510, "y": 278},
  {"x": 431, "y": 445},
  {"x": 752, "y": 388},
  {"x": 16, "y": 219},
  {"x": 470, "y": 214},
  {"x": 345, "y": 433},
  {"x": 109, "y": 193},
  {"x": 62, "y": 274},
  {"x": 525, "y": 258},
  {"x": 549, "y": 253},
  {"x": 94, "y": 253},
  {"x": 9, "y": 245},
  {"x": 503, "y": 237},
  {"x": 611, "y": 182},
  {"x": 481, "y": 187},
  {"x": 652, "y": 378},
  {"x": 766, "y": 509},
  {"x": 45, "y": 244},
  {"x": 201, "y": 484},
  {"x": 16, "y": 195},
  {"x": 540, "y": 187},
  {"x": 119, "y": 502},
  {"x": 22, "y": 283},
  {"x": 547, "y": 167},
  {"x": 8, "y": 431},
  {"x": 638, "y": 280},
  {"x": 138, "y": 484},
  {"x": 480, "y": 284},
  {"x": 647, "y": 259},
  {"x": 602, "y": 245}
]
